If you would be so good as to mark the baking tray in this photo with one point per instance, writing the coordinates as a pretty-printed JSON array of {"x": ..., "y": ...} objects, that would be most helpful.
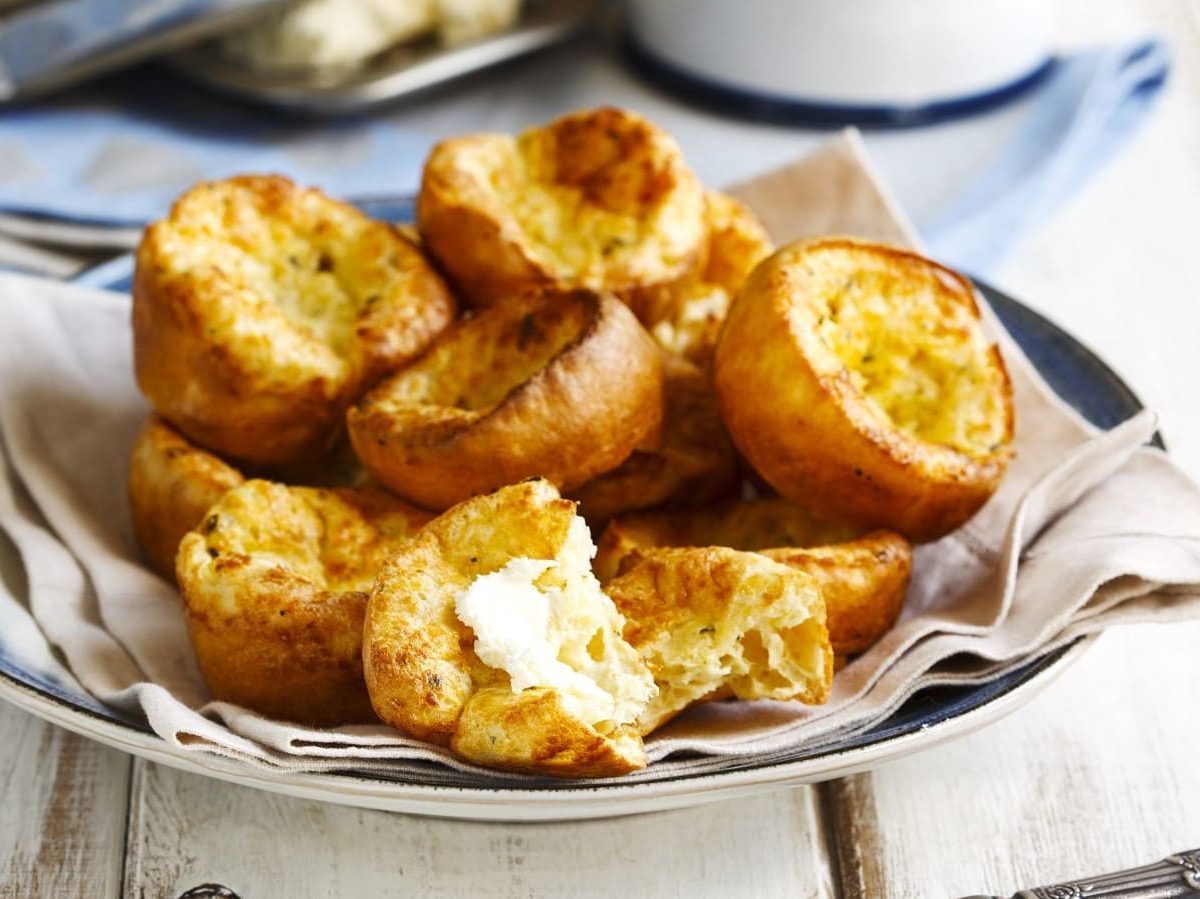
[{"x": 395, "y": 74}]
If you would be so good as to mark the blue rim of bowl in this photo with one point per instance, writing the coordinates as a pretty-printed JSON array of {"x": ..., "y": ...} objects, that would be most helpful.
[
  {"x": 1073, "y": 371},
  {"x": 778, "y": 109}
]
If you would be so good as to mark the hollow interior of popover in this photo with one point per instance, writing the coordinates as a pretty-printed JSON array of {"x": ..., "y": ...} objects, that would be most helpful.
[
  {"x": 582, "y": 193},
  {"x": 302, "y": 264},
  {"x": 482, "y": 361},
  {"x": 547, "y": 623},
  {"x": 912, "y": 346}
]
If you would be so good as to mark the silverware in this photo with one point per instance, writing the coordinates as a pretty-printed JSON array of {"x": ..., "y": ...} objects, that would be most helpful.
[{"x": 1176, "y": 875}]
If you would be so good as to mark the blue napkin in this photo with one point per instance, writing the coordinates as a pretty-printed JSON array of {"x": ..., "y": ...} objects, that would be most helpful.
[
  {"x": 120, "y": 152},
  {"x": 1082, "y": 113}
]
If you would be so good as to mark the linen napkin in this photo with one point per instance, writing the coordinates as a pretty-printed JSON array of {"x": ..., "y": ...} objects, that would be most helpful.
[{"x": 1088, "y": 530}]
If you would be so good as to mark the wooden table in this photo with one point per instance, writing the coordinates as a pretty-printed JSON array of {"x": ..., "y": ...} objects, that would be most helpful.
[{"x": 1098, "y": 772}]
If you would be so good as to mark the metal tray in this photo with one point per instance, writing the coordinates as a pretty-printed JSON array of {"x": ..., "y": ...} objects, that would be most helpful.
[{"x": 394, "y": 74}]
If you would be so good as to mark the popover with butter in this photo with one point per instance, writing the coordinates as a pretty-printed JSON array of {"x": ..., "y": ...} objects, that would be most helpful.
[
  {"x": 275, "y": 582},
  {"x": 599, "y": 199},
  {"x": 556, "y": 386},
  {"x": 857, "y": 379},
  {"x": 262, "y": 309},
  {"x": 488, "y": 633}
]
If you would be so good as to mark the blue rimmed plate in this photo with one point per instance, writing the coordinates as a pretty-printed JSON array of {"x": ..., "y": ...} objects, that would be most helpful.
[{"x": 38, "y": 684}]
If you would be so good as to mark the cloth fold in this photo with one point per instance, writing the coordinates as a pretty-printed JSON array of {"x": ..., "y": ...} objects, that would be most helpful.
[{"x": 1090, "y": 529}]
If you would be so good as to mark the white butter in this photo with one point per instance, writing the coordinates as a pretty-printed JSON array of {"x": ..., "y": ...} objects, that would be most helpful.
[{"x": 511, "y": 619}]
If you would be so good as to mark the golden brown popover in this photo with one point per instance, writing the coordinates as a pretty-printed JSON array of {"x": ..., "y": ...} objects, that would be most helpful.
[
  {"x": 713, "y": 622},
  {"x": 560, "y": 387},
  {"x": 275, "y": 583},
  {"x": 685, "y": 317},
  {"x": 172, "y": 484},
  {"x": 696, "y": 463},
  {"x": 262, "y": 309},
  {"x": 600, "y": 199},
  {"x": 863, "y": 576},
  {"x": 856, "y": 378},
  {"x": 488, "y": 633}
]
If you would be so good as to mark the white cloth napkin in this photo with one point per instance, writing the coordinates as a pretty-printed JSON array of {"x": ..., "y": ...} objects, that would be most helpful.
[{"x": 1088, "y": 530}]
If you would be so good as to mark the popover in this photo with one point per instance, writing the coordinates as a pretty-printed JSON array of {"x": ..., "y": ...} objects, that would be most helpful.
[
  {"x": 262, "y": 309},
  {"x": 172, "y": 484},
  {"x": 686, "y": 317},
  {"x": 713, "y": 622},
  {"x": 275, "y": 583},
  {"x": 856, "y": 378},
  {"x": 556, "y": 386},
  {"x": 599, "y": 199},
  {"x": 695, "y": 464},
  {"x": 488, "y": 633},
  {"x": 863, "y": 577}
]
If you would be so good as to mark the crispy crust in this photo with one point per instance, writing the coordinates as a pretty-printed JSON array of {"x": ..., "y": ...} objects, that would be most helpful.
[
  {"x": 274, "y": 584},
  {"x": 713, "y": 622},
  {"x": 864, "y": 583},
  {"x": 560, "y": 387},
  {"x": 172, "y": 485},
  {"x": 750, "y": 525},
  {"x": 695, "y": 465},
  {"x": 686, "y": 317},
  {"x": 261, "y": 309},
  {"x": 422, "y": 671},
  {"x": 600, "y": 199},
  {"x": 863, "y": 577},
  {"x": 916, "y": 446}
]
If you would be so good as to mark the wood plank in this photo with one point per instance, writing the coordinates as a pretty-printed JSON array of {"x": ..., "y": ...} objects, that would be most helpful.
[
  {"x": 63, "y": 800},
  {"x": 186, "y": 830},
  {"x": 1098, "y": 773}
]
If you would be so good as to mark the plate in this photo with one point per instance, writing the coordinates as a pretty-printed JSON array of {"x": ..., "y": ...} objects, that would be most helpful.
[
  {"x": 928, "y": 718},
  {"x": 395, "y": 74}
]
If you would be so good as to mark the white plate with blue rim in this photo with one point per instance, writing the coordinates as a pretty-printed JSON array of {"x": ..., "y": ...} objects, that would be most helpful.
[{"x": 32, "y": 678}]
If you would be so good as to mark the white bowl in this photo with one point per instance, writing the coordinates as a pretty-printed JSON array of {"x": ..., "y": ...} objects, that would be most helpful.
[{"x": 850, "y": 53}]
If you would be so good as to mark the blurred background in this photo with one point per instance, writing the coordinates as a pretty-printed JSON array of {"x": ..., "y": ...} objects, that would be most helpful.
[{"x": 978, "y": 115}]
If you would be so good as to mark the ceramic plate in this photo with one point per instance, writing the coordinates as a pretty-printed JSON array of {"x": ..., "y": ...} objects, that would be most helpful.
[{"x": 40, "y": 686}]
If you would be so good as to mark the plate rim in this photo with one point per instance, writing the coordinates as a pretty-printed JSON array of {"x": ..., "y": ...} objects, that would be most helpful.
[
  {"x": 568, "y": 801},
  {"x": 564, "y": 803}
]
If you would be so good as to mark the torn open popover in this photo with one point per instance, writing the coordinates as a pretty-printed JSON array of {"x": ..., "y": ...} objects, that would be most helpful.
[{"x": 489, "y": 634}]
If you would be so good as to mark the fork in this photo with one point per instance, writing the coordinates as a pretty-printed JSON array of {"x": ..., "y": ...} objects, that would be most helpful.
[{"x": 1176, "y": 875}]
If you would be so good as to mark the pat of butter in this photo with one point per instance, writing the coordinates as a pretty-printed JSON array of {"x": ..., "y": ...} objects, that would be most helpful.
[{"x": 512, "y": 619}]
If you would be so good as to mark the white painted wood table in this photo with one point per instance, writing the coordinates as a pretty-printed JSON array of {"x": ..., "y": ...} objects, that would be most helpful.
[{"x": 1098, "y": 772}]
